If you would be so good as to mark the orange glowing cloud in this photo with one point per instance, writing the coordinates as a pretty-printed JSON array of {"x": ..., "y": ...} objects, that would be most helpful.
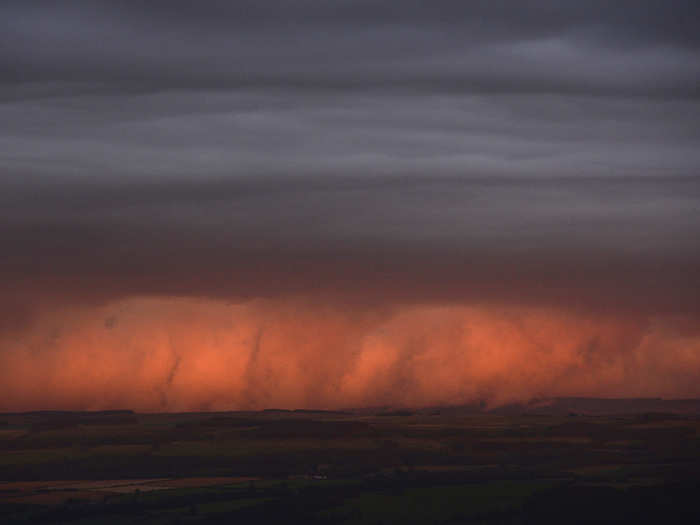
[{"x": 173, "y": 354}]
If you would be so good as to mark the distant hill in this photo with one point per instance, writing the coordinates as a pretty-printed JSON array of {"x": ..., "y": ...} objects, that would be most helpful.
[
  {"x": 546, "y": 406},
  {"x": 595, "y": 406},
  {"x": 580, "y": 405}
]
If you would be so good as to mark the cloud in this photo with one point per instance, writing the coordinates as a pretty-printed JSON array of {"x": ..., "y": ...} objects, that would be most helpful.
[
  {"x": 103, "y": 89},
  {"x": 631, "y": 48},
  {"x": 591, "y": 242},
  {"x": 182, "y": 354},
  {"x": 404, "y": 165}
]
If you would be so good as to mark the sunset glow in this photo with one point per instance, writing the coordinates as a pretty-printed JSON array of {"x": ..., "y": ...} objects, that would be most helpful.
[
  {"x": 347, "y": 204},
  {"x": 176, "y": 354}
]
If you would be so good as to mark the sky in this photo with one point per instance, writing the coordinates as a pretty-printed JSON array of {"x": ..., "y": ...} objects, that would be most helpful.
[{"x": 329, "y": 204}]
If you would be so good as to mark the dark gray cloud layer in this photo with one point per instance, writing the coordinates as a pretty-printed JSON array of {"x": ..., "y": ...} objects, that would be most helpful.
[
  {"x": 625, "y": 244},
  {"x": 543, "y": 150},
  {"x": 647, "y": 47}
]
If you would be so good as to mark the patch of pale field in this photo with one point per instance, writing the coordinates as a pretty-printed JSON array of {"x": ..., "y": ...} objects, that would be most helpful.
[
  {"x": 105, "y": 484},
  {"x": 178, "y": 483},
  {"x": 181, "y": 483},
  {"x": 59, "y": 491}
]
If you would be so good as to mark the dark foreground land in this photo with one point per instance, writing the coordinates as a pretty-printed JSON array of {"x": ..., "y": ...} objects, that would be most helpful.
[{"x": 569, "y": 461}]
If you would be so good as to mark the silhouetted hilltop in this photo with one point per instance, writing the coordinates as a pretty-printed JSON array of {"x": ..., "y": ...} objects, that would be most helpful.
[
  {"x": 655, "y": 407},
  {"x": 596, "y": 406}
]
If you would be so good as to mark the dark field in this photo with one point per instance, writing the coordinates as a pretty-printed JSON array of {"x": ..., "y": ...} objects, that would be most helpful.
[{"x": 570, "y": 461}]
